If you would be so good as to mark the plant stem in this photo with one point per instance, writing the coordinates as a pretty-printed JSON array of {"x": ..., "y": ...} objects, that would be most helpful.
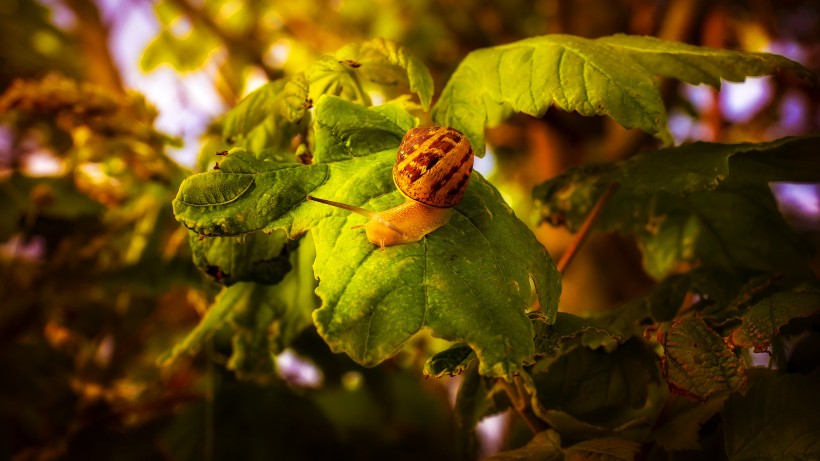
[
  {"x": 93, "y": 35},
  {"x": 465, "y": 412},
  {"x": 584, "y": 231},
  {"x": 518, "y": 398}
]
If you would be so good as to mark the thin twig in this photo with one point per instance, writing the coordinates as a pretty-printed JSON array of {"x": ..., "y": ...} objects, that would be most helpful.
[{"x": 583, "y": 232}]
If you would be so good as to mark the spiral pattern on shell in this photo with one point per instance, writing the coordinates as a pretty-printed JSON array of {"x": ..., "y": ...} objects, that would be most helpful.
[{"x": 433, "y": 166}]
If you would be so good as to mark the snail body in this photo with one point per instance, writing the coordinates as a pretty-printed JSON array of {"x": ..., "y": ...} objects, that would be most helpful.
[{"x": 432, "y": 169}]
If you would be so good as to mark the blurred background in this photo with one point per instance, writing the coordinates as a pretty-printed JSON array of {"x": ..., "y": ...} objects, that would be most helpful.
[{"x": 108, "y": 104}]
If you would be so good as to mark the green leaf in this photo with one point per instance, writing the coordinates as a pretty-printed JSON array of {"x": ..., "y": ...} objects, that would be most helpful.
[
  {"x": 295, "y": 98},
  {"x": 778, "y": 418},
  {"x": 696, "y": 65},
  {"x": 611, "y": 76},
  {"x": 265, "y": 318},
  {"x": 679, "y": 171},
  {"x": 675, "y": 201},
  {"x": 544, "y": 446},
  {"x": 696, "y": 362},
  {"x": 295, "y": 297},
  {"x": 608, "y": 449},
  {"x": 330, "y": 76},
  {"x": 698, "y": 230},
  {"x": 252, "y": 110},
  {"x": 270, "y": 116},
  {"x": 387, "y": 63},
  {"x": 214, "y": 318},
  {"x": 592, "y": 384},
  {"x": 469, "y": 281},
  {"x": 258, "y": 257},
  {"x": 450, "y": 362},
  {"x": 765, "y": 319},
  {"x": 252, "y": 320},
  {"x": 268, "y": 318}
]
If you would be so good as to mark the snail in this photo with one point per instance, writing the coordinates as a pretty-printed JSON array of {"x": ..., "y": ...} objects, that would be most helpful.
[{"x": 432, "y": 169}]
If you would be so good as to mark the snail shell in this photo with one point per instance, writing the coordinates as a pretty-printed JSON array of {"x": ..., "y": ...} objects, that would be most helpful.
[
  {"x": 432, "y": 169},
  {"x": 433, "y": 166}
]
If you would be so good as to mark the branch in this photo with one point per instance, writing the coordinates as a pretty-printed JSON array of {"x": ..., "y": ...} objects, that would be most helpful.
[
  {"x": 93, "y": 35},
  {"x": 585, "y": 229}
]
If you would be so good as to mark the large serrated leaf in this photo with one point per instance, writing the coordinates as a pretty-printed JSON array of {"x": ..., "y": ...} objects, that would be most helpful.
[
  {"x": 778, "y": 418},
  {"x": 469, "y": 281},
  {"x": 611, "y": 76},
  {"x": 696, "y": 362},
  {"x": 697, "y": 64}
]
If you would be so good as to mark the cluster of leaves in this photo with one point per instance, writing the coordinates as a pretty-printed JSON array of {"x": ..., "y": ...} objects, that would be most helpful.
[
  {"x": 370, "y": 307},
  {"x": 643, "y": 378}
]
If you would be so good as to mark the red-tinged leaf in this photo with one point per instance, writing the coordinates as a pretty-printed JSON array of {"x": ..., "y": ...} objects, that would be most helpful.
[{"x": 696, "y": 361}]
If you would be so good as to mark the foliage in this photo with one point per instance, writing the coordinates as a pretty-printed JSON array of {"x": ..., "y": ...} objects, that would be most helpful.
[
  {"x": 594, "y": 381},
  {"x": 132, "y": 336}
]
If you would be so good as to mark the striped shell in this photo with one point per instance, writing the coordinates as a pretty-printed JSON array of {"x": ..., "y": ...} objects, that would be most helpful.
[{"x": 433, "y": 166}]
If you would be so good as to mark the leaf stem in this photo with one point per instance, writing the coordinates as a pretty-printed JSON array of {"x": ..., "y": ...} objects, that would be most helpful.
[
  {"x": 518, "y": 397},
  {"x": 585, "y": 229}
]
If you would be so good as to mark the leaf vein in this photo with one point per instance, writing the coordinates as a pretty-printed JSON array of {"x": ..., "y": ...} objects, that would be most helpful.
[{"x": 492, "y": 251}]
